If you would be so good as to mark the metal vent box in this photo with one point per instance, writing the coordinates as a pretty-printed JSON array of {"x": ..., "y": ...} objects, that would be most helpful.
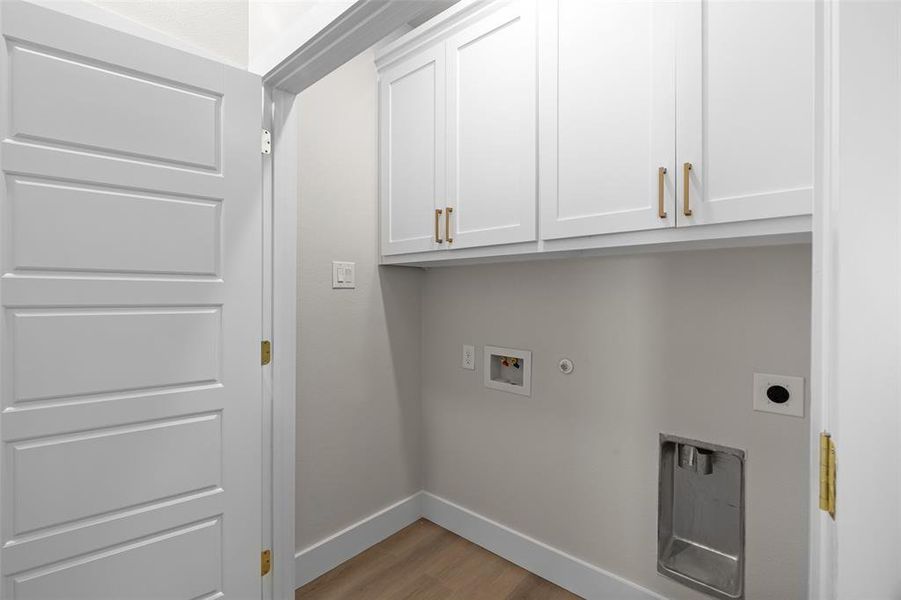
[{"x": 701, "y": 516}]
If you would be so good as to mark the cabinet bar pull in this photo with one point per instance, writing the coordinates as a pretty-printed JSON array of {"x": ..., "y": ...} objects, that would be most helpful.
[
  {"x": 438, "y": 212},
  {"x": 686, "y": 186},
  {"x": 661, "y": 209},
  {"x": 447, "y": 218}
]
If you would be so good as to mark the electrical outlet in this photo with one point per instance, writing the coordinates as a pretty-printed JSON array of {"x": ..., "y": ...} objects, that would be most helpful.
[
  {"x": 343, "y": 275},
  {"x": 469, "y": 357},
  {"x": 780, "y": 394}
]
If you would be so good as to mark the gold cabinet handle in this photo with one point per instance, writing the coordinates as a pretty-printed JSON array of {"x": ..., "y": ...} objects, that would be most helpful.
[
  {"x": 447, "y": 218},
  {"x": 438, "y": 212},
  {"x": 661, "y": 207},
  {"x": 686, "y": 186}
]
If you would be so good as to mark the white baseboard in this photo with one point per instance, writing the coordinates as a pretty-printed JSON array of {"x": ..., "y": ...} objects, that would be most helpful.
[
  {"x": 322, "y": 557},
  {"x": 568, "y": 572}
]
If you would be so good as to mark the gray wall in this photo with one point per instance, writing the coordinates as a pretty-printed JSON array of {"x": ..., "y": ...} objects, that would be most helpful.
[
  {"x": 661, "y": 343},
  {"x": 358, "y": 367}
]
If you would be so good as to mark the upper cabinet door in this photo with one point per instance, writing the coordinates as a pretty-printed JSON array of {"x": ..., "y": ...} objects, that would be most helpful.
[
  {"x": 412, "y": 145},
  {"x": 746, "y": 99},
  {"x": 607, "y": 116},
  {"x": 492, "y": 128}
]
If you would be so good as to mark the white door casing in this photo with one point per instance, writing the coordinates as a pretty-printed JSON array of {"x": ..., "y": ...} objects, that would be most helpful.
[
  {"x": 129, "y": 370},
  {"x": 492, "y": 127},
  {"x": 861, "y": 245},
  {"x": 607, "y": 106},
  {"x": 745, "y": 97},
  {"x": 412, "y": 146}
]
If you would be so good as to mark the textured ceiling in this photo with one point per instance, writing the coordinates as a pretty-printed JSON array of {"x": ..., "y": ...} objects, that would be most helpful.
[{"x": 220, "y": 27}]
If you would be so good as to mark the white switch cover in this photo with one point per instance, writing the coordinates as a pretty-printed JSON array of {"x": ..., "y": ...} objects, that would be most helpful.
[
  {"x": 780, "y": 394},
  {"x": 343, "y": 275},
  {"x": 469, "y": 357}
]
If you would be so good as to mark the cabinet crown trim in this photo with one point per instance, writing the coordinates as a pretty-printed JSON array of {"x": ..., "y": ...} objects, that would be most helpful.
[{"x": 433, "y": 30}]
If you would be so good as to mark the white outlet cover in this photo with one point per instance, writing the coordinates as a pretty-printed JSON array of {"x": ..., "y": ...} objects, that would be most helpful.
[
  {"x": 794, "y": 407},
  {"x": 469, "y": 357}
]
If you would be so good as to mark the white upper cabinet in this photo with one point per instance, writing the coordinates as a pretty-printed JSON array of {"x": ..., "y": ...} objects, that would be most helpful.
[
  {"x": 412, "y": 147},
  {"x": 492, "y": 124},
  {"x": 536, "y": 126},
  {"x": 607, "y": 112},
  {"x": 745, "y": 97}
]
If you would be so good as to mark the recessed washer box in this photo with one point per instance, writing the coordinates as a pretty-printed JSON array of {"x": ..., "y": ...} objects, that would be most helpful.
[{"x": 508, "y": 370}]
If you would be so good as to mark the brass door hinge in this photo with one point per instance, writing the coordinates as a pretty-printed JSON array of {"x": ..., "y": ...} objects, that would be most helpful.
[
  {"x": 265, "y": 562},
  {"x": 265, "y": 352},
  {"x": 827, "y": 474}
]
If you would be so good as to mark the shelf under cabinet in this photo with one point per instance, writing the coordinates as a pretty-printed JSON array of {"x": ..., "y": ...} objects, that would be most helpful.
[{"x": 763, "y": 232}]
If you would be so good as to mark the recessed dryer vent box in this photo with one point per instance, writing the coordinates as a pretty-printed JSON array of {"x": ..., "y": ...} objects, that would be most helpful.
[{"x": 508, "y": 370}]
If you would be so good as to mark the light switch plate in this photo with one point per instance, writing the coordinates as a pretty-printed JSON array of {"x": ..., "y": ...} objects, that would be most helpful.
[
  {"x": 343, "y": 275},
  {"x": 469, "y": 357},
  {"x": 780, "y": 394}
]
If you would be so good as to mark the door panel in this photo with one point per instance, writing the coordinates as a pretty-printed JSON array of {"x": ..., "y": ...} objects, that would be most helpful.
[
  {"x": 53, "y": 229},
  {"x": 78, "y": 102},
  {"x": 113, "y": 348},
  {"x": 492, "y": 129},
  {"x": 140, "y": 569},
  {"x": 130, "y": 436},
  {"x": 191, "y": 463},
  {"x": 412, "y": 138},
  {"x": 746, "y": 109},
  {"x": 608, "y": 111}
]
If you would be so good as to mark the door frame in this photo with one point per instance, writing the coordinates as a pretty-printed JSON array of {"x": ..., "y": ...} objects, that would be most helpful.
[
  {"x": 279, "y": 297},
  {"x": 280, "y": 172},
  {"x": 822, "y": 548},
  {"x": 364, "y": 24},
  {"x": 340, "y": 41},
  {"x": 857, "y": 382}
]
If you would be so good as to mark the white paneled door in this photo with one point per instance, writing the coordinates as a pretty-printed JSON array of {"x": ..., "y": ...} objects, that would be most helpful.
[
  {"x": 608, "y": 112},
  {"x": 130, "y": 361}
]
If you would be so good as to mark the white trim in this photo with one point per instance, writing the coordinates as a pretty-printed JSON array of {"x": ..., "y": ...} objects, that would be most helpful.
[
  {"x": 439, "y": 26},
  {"x": 359, "y": 27},
  {"x": 268, "y": 448},
  {"x": 569, "y": 572},
  {"x": 327, "y": 554},
  {"x": 763, "y": 232},
  {"x": 280, "y": 246},
  {"x": 356, "y": 29},
  {"x": 822, "y": 539},
  {"x": 296, "y": 35}
]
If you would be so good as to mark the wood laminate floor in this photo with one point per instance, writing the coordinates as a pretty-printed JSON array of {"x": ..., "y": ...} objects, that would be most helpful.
[{"x": 426, "y": 562}]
